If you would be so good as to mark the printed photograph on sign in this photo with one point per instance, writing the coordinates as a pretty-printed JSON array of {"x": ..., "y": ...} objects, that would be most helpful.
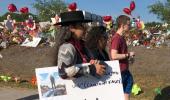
[
  {"x": 49, "y": 85},
  {"x": 52, "y": 87}
]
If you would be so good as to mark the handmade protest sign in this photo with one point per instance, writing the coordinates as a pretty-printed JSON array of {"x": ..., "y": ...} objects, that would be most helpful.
[{"x": 107, "y": 87}]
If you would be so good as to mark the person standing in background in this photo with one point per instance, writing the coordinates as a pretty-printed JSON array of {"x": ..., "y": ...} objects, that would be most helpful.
[{"x": 119, "y": 51}]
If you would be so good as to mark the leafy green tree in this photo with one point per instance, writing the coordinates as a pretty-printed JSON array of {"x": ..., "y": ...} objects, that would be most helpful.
[
  {"x": 152, "y": 24},
  {"x": 162, "y": 10},
  {"x": 49, "y": 8}
]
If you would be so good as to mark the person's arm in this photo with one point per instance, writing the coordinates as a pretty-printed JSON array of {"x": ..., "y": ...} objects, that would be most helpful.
[
  {"x": 115, "y": 46},
  {"x": 116, "y": 56},
  {"x": 67, "y": 68}
]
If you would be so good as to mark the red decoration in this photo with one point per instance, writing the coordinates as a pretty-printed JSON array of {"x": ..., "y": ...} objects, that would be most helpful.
[
  {"x": 72, "y": 6},
  {"x": 12, "y": 8},
  {"x": 30, "y": 24},
  {"x": 107, "y": 18},
  {"x": 135, "y": 37},
  {"x": 24, "y": 10},
  {"x": 34, "y": 80},
  {"x": 132, "y": 5},
  {"x": 139, "y": 26},
  {"x": 23, "y": 23},
  {"x": 127, "y": 11}
]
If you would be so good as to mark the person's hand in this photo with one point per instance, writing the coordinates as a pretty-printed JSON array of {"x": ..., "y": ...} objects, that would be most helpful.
[
  {"x": 94, "y": 62},
  {"x": 100, "y": 68},
  {"x": 131, "y": 54}
]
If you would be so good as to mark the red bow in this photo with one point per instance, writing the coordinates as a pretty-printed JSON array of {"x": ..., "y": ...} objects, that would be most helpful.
[
  {"x": 24, "y": 10},
  {"x": 12, "y": 8},
  {"x": 107, "y": 18},
  {"x": 72, "y": 6}
]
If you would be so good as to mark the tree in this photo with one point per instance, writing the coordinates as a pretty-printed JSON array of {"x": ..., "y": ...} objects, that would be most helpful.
[
  {"x": 49, "y": 8},
  {"x": 18, "y": 17},
  {"x": 155, "y": 27},
  {"x": 162, "y": 10},
  {"x": 152, "y": 24}
]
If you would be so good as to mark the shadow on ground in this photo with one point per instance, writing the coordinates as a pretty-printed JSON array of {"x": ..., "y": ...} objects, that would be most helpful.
[
  {"x": 165, "y": 94},
  {"x": 32, "y": 97}
]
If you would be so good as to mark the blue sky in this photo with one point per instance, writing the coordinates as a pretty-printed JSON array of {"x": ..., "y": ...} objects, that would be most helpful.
[{"x": 100, "y": 7}]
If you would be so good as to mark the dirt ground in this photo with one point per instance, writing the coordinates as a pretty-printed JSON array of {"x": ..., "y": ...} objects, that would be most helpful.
[
  {"x": 150, "y": 70},
  {"x": 22, "y": 61},
  {"x": 8, "y": 93}
]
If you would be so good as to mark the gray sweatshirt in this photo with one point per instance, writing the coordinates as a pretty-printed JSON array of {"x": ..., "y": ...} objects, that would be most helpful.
[{"x": 68, "y": 57}]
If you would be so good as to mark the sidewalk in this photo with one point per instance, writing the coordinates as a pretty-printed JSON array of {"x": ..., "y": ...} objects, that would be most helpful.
[{"x": 18, "y": 94}]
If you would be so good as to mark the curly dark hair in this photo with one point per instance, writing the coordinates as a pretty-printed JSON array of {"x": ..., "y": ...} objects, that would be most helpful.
[{"x": 93, "y": 37}]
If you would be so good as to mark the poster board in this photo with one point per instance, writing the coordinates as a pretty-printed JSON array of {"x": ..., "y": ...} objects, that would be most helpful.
[{"x": 108, "y": 87}]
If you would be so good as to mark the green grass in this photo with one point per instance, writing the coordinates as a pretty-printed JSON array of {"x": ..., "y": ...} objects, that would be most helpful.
[{"x": 17, "y": 85}]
